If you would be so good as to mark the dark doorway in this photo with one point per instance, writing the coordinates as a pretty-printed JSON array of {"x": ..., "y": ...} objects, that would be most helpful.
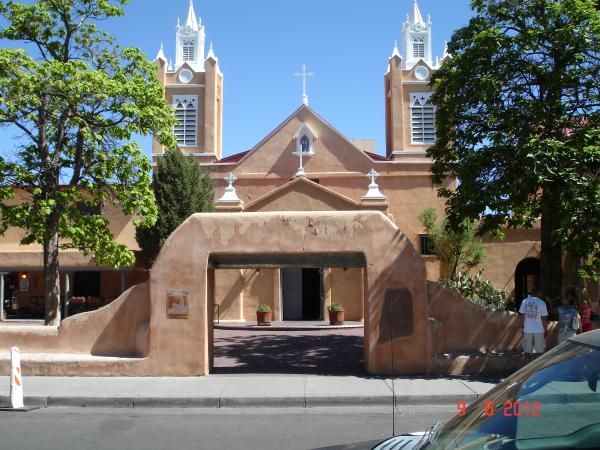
[
  {"x": 86, "y": 284},
  {"x": 527, "y": 276},
  {"x": 311, "y": 294},
  {"x": 302, "y": 294}
]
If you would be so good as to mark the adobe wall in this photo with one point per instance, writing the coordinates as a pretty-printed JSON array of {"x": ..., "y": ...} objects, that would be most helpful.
[{"x": 119, "y": 329}]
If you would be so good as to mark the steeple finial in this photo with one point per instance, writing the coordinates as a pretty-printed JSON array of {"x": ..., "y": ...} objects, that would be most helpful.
[
  {"x": 161, "y": 54},
  {"x": 417, "y": 17},
  {"x": 191, "y": 18},
  {"x": 211, "y": 53},
  {"x": 396, "y": 52}
]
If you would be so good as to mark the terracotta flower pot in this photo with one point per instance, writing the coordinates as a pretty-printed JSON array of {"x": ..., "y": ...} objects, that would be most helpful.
[
  {"x": 264, "y": 318},
  {"x": 336, "y": 317}
]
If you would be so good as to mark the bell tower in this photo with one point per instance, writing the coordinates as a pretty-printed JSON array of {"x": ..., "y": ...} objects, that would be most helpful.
[
  {"x": 194, "y": 88},
  {"x": 409, "y": 111}
]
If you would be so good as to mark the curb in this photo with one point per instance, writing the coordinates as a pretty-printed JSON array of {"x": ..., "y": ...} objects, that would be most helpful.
[{"x": 240, "y": 402}]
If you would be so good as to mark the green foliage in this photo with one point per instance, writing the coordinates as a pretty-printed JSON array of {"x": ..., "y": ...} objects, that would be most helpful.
[
  {"x": 181, "y": 189},
  {"x": 263, "y": 308},
  {"x": 457, "y": 249},
  {"x": 481, "y": 292},
  {"x": 336, "y": 307},
  {"x": 518, "y": 124},
  {"x": 77, "y": 99}
]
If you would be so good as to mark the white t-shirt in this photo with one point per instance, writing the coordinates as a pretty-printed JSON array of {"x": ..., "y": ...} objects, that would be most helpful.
[{"x": 534, "y": 309}]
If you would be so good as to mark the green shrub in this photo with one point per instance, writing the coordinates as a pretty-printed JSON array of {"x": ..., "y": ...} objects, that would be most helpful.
[
  {"x": 336, "y": 307},
  {"x": 263, "y": 308},
  {"x": 480, "y": 292}
]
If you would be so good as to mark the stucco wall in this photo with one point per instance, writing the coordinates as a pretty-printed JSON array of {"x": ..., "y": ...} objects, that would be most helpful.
[
  {"x": 345, "y": 286},
  {"x": 460, "y": 326},
  {"x": 261, "y": 287},
  {"x": 119, "y": 329}
]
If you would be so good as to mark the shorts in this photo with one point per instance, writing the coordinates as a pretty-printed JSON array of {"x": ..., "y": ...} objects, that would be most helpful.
[{"x": 534, "y": 341}]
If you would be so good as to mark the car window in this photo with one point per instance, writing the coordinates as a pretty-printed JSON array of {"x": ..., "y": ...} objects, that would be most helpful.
[
  {"x": 568, "y": 396},
  {"x": 553, "y": 402}
]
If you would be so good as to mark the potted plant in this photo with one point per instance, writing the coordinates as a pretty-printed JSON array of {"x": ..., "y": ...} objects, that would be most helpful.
[
  {"x": 264, "y": 315},
  {"x": 336, "y": 314}
]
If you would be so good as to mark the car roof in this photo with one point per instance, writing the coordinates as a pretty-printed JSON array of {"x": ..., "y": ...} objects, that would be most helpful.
[{"x": 590, "y": 338}]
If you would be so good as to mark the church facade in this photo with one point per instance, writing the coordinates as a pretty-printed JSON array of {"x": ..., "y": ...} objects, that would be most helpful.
[{"x": 305, "y": 164}]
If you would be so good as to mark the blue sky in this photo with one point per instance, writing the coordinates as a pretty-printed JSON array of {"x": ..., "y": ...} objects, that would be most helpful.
[{"x": 261, "y": 43}]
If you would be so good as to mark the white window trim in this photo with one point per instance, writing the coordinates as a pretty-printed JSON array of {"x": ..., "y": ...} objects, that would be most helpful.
[
  {"x": 415, "y": 97},
  {"x": 189, "y": 99},
  {"x": 305, "y": 131}
]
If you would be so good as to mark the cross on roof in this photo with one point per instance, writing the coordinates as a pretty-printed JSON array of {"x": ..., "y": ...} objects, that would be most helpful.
[
  {"x": 230, "y": 178},
  {"x": 304, "y": 74}
]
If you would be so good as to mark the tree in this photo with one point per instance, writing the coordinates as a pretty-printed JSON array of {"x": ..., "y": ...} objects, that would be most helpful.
[
  {"x": 181, "y": 189},
  {"x": 517, "y": 125},
  {"x": 456, "y": 248},
  {"x": 76, "y": 98}
]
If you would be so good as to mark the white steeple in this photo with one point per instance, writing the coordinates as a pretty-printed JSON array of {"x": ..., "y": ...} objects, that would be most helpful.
[
  {"x": 417, "y": 38},
  {"x": 190, "y": 41},
  {"x": 417, "y": 18},
  {"x": 191, "y": 18}
]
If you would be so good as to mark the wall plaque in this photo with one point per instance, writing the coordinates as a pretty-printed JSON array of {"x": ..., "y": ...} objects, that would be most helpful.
[{"x": 177, "y": 304}]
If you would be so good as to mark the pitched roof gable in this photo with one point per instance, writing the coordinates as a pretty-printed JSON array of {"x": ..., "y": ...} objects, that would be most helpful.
[{"x": 302, "y": 194}]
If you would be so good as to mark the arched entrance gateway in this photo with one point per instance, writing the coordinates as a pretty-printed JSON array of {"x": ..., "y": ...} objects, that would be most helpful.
[{"x": 394, "y": 280}]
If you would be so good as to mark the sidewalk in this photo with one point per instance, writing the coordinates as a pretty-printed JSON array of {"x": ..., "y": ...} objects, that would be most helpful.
[{"x": 225, "y": 391}]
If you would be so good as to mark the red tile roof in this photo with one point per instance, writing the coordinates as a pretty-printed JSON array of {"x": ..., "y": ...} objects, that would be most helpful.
[
  {"x": 232, "y": 158},
  {"x": 377, "y": 157}
]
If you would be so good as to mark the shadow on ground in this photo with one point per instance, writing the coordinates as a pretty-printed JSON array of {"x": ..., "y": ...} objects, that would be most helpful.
[{"x": 307, "y": 354}]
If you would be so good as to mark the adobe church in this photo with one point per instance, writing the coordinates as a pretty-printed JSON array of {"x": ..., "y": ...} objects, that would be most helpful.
[
  {"x": 304, "y": 219},
  {"x": 305, "y": 164}
]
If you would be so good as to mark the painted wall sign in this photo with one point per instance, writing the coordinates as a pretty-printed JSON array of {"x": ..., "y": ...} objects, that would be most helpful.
[{"x": 177, "y": 304}]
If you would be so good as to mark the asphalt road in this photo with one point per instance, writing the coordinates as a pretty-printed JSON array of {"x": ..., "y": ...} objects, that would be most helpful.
[{"x": 165, "y": 429}]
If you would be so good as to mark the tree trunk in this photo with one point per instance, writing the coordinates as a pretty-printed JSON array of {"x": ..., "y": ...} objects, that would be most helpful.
[
  {"x": 551, "y": 254},
  {"x": 52, "y": 280}
]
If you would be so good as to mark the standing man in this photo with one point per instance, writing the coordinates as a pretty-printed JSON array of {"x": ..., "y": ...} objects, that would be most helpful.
[{"x": 534, "y": 319}]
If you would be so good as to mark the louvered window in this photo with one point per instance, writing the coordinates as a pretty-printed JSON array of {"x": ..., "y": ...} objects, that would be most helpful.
[
  {"x": 188, "y": 51},
  {"x": 422, "y": 119},
  {"x": 186, "y": 112},
  {"x": 419, "y": 48}
]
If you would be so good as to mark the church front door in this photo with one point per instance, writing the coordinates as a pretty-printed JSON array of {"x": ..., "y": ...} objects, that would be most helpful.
[{"x": 302, "y": 294}]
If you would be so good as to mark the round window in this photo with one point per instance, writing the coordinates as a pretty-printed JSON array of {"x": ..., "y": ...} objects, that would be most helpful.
[
  {"x": 421, "y": 73},
  {"x": 185, "y": 76}
]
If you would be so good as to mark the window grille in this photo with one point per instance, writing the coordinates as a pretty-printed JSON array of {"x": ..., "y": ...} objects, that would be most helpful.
[
  {"x": 188, "y": 51},
  {"x": 426, "y": 244},
  {"x": 185, "y": 128},
  {"x": 419, "y": 48},
  {"x": 422, "y": 116}
]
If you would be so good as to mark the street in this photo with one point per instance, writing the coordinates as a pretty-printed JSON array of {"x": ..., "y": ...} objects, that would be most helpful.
[{"x": 122, "y": 428}]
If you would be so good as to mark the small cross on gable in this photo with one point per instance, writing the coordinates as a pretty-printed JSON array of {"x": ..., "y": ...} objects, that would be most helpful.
[
  {"x": 230, "y": 178},
  {"x": 373, "y": 175}
]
